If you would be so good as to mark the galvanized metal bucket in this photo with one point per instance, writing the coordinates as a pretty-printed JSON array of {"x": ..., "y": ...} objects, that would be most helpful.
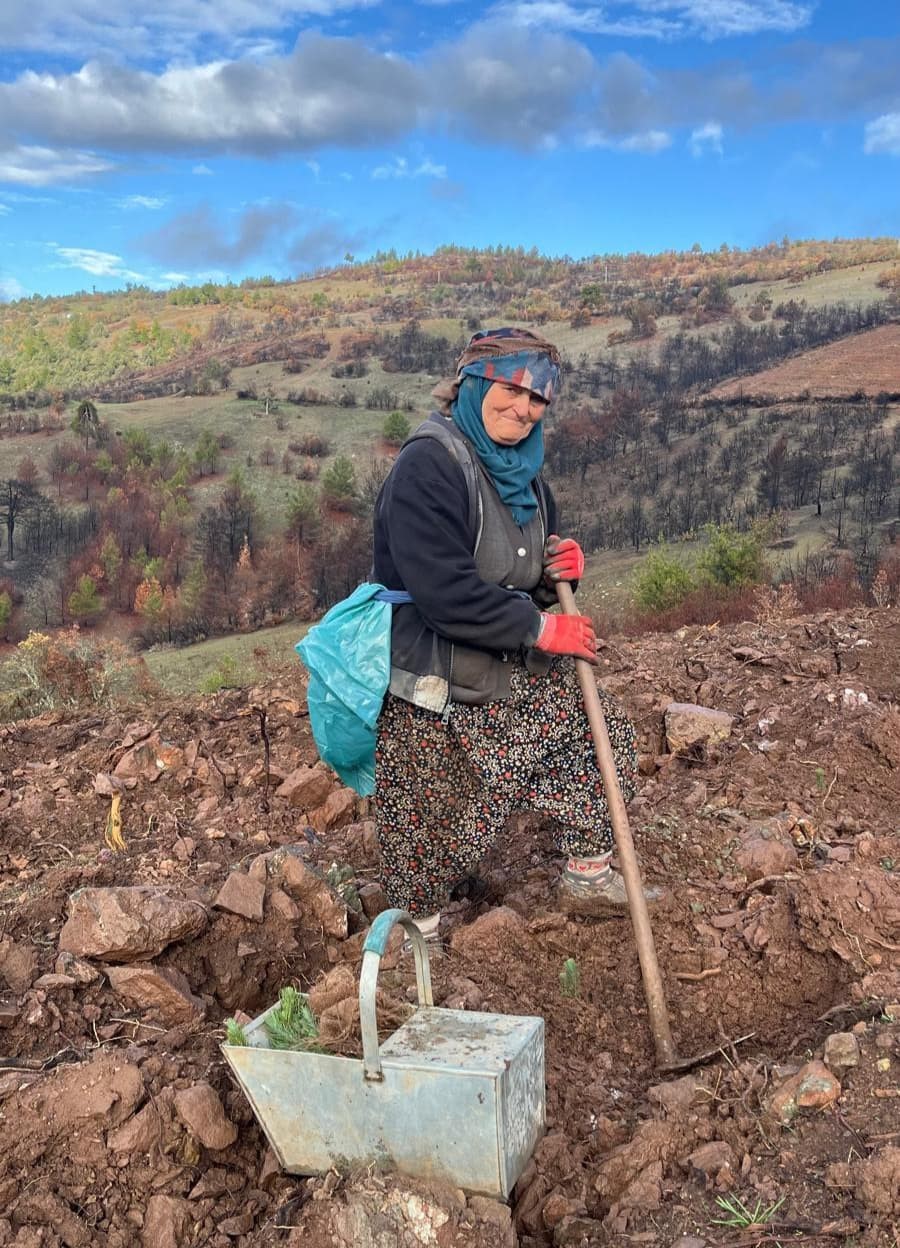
[{"x": 451, "y": 1095}]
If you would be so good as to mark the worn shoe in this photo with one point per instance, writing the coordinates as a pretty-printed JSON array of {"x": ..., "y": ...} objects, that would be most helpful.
[
  {"x": 604, "y": 895},
  {"x": 429, "y": 929}
]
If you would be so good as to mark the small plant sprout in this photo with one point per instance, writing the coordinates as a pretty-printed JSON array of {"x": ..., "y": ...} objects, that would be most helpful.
[
  {"x": 292, "y": 1024},
  {"x": 234, "y": 1032},
  {"x": 820, "y": 779},
  {"x": 743, "y": 1216},
  {"x": 570, "y": 979}
]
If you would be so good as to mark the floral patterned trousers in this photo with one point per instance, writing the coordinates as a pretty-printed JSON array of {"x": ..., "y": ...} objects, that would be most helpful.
[{"x": 444, "y": 790}]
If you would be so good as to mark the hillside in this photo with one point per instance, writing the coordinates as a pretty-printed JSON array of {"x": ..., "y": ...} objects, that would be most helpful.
[
  {"x": 247, "y": 422},
  {"x": 778, "y": 945}
]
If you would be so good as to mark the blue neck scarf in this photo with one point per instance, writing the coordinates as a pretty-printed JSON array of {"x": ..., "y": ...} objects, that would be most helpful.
[{"x": 511, "y": 468}]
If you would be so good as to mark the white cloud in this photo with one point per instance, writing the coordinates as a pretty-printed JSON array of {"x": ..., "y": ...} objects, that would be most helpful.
[
  {"x": 202, "y": 171},
  {"x": 167, "y": 29},
  {"x": 315, "y": 168},
  {"x": 26, "y": 165},
  {"x": 658, "y": 19},
  {"x": 11, "y": 288},
  {"x": 706, "y": 138},
  {"x": 97, "y": 263},
  {"x": 142, "y": 201},
  {"x": 175, "y": 277},
  {"x": 400, "y": 167},
  {"x": 646, "y": 142},
  {"x": 4, "y": 209},
  {"x": 883, "y": 136}
]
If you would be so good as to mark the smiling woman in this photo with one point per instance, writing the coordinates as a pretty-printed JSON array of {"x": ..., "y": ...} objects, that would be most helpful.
[{"x": 484, "y": 714}]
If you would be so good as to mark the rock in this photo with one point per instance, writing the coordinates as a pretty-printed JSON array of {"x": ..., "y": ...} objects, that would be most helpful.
[
  {"x": 841, "y": 1049},
  {"x": 339, "y": 809},
  {"x": 18, "y": 963},
  {"x": 106, "y": 1088},
  {"x": 43, "y": 1208},
  {"x": 813, "y": 1087},
  {"x": 269, "y": 1170},
  {"x": 877, "y": 1181},
  {"x": 493, "y": 1212},
  {"x": 200, "y": 1109},
  {"x": 306, "y": 788},
  {"x": 372, "y": 899},
  {"x": 51, "y": 982},
  {"x": 126, "y": 924},
  {"x": 139, "y": 1134},
  {"x": 79, "y": 970},
  {"x": 558, "y": 1206},
  {"x": 687, "y": 724},
  {"x": 162, "y": 990},
  {"x": 166, "y": 1222},
  {"x": 651, "y": 1142},
  {"x": 690, "y": 1241},
  {"x": 677, "y": 1095},
  {"x": 319, "y": 902},
  {"x": 575, "y": 1232},
  {"x": 285, "y": 907},
  {"x": 716, "y": 1161},
  {"x": 239, "y": 1225},
  {"x": 242, "y": 894},
  {"x": 499, "y": 929},
  {"x": 762, "y": 850}
]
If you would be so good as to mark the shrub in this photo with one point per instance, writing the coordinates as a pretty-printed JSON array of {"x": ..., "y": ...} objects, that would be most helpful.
[
  {"x": 339, "y": 482},
  {"x": 47, "y": 673},
  {"x": 731, "y": 558},
  {"x": 662, "y": 581},
  {"x": 396, "y": 429},
  {"x": 312, "y": 444}
]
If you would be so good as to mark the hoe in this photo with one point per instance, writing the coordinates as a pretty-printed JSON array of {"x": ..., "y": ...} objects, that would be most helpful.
[{"x": 667, "y": 1057}]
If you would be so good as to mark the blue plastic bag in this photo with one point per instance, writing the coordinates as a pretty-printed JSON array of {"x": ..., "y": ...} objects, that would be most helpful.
[{"x": 348, "y": 655}]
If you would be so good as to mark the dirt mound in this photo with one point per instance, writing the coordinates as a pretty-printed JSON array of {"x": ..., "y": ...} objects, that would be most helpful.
[{"x": 779, "y": 849}]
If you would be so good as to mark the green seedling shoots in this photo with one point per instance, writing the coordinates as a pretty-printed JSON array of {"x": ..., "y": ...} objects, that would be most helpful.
[
  {"x": 234, "y": 1032},
  {"x": 570, "y": 979},
  {"x": 292, "y": 1024}
]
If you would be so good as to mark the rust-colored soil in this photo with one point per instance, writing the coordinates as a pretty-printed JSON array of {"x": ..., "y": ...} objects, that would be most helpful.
[
  {"x": 95, "y": 1153},
  {"x": 868, "y": 363}
]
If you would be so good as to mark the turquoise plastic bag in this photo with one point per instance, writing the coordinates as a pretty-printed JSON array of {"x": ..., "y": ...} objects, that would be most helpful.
[{"x": 348, "y": 656}]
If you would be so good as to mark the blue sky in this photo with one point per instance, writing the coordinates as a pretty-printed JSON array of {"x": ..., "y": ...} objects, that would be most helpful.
[{"x": 228, "y": 138}]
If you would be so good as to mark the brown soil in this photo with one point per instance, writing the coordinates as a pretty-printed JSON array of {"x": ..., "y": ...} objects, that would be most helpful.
[
  {"x": 790, "y": 958},
  {"x": 867, "y": 363}
]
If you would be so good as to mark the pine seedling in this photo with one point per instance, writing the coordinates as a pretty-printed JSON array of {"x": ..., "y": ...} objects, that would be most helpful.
[
  {"x": 234, "y": 1032},
  {"x": 570, "y": 979},
  {"x": 742, "y": 1216},
  {"x": 292, "y": 1024}
]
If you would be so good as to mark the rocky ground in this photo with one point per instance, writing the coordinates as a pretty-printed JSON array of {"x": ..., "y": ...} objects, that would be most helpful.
[{"x": 774, "y": 828}]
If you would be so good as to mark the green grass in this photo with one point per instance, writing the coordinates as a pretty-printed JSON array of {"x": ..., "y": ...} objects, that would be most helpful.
[{"x": 187, "y": 669}]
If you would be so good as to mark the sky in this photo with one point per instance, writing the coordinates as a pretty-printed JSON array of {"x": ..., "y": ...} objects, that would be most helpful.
[{"x": 221, "y": 139}]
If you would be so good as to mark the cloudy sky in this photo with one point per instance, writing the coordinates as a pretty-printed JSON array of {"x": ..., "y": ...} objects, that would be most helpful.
[{"x": 226, "y": 138}]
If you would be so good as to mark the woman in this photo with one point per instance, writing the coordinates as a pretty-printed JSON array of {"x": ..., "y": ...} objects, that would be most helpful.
[{"x": 484, "y": 714}]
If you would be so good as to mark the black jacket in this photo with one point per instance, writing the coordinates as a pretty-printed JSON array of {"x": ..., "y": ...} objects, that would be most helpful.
[{"x": 460, "y": 630}]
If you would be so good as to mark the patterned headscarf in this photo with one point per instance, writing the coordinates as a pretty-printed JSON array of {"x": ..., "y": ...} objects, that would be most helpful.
[
  {"x": 514, "y": 355},
  {"x": 523, "y": 359}
]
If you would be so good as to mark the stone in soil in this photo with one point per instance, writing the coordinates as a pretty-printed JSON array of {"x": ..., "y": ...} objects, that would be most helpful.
[
  {"x": 200, "y": 1109},
  {"x": 139, "y": 1134},
  {"x": 18, "y": 964},
  {"x": 339, "y": 809},
  {"x": 127, "y": 924},
  {"x": 305, "y": 788},
  {"x": 243, "y": 895},
  {"x": 320, "y": 904},
  {"x": 501, "y": 928},
  {"x": 841, "y": 1049},
  {"x": 813, "y": 1087},
  {"x": 164, "y": 991},
  {"x": 688, "y": 724},
  {"x": 764, "y": 850},
  {"x": 166, "y": 1222}
]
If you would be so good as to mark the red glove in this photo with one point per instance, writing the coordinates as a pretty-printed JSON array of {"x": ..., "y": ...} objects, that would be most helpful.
[
  {"x": 563, "y": 559},
  {"x": 567, "y": 634}
]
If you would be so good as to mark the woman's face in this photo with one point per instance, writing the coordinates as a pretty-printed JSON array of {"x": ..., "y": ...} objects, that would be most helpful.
[{"x": 509, "y": 413}]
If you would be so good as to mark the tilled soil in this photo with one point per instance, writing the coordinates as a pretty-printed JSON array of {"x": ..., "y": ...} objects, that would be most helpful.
[
  {"x": 778, "y": 848},
  {"x": 866, "y": 363}
]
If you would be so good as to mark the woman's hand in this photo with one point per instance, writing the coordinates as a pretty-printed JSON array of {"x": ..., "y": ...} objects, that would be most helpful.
[
  {"x": 563, "y": 559},
  {"x": 567, "y": 634}
]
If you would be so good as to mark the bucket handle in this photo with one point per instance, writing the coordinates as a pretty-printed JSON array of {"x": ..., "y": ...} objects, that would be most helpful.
[{"x": 373, "y": 951}]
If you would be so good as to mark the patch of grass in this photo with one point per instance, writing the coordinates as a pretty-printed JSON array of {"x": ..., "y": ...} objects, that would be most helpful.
[
  {"x": 234, "y": 1033},
  {"x": 249, "y": 657}
]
